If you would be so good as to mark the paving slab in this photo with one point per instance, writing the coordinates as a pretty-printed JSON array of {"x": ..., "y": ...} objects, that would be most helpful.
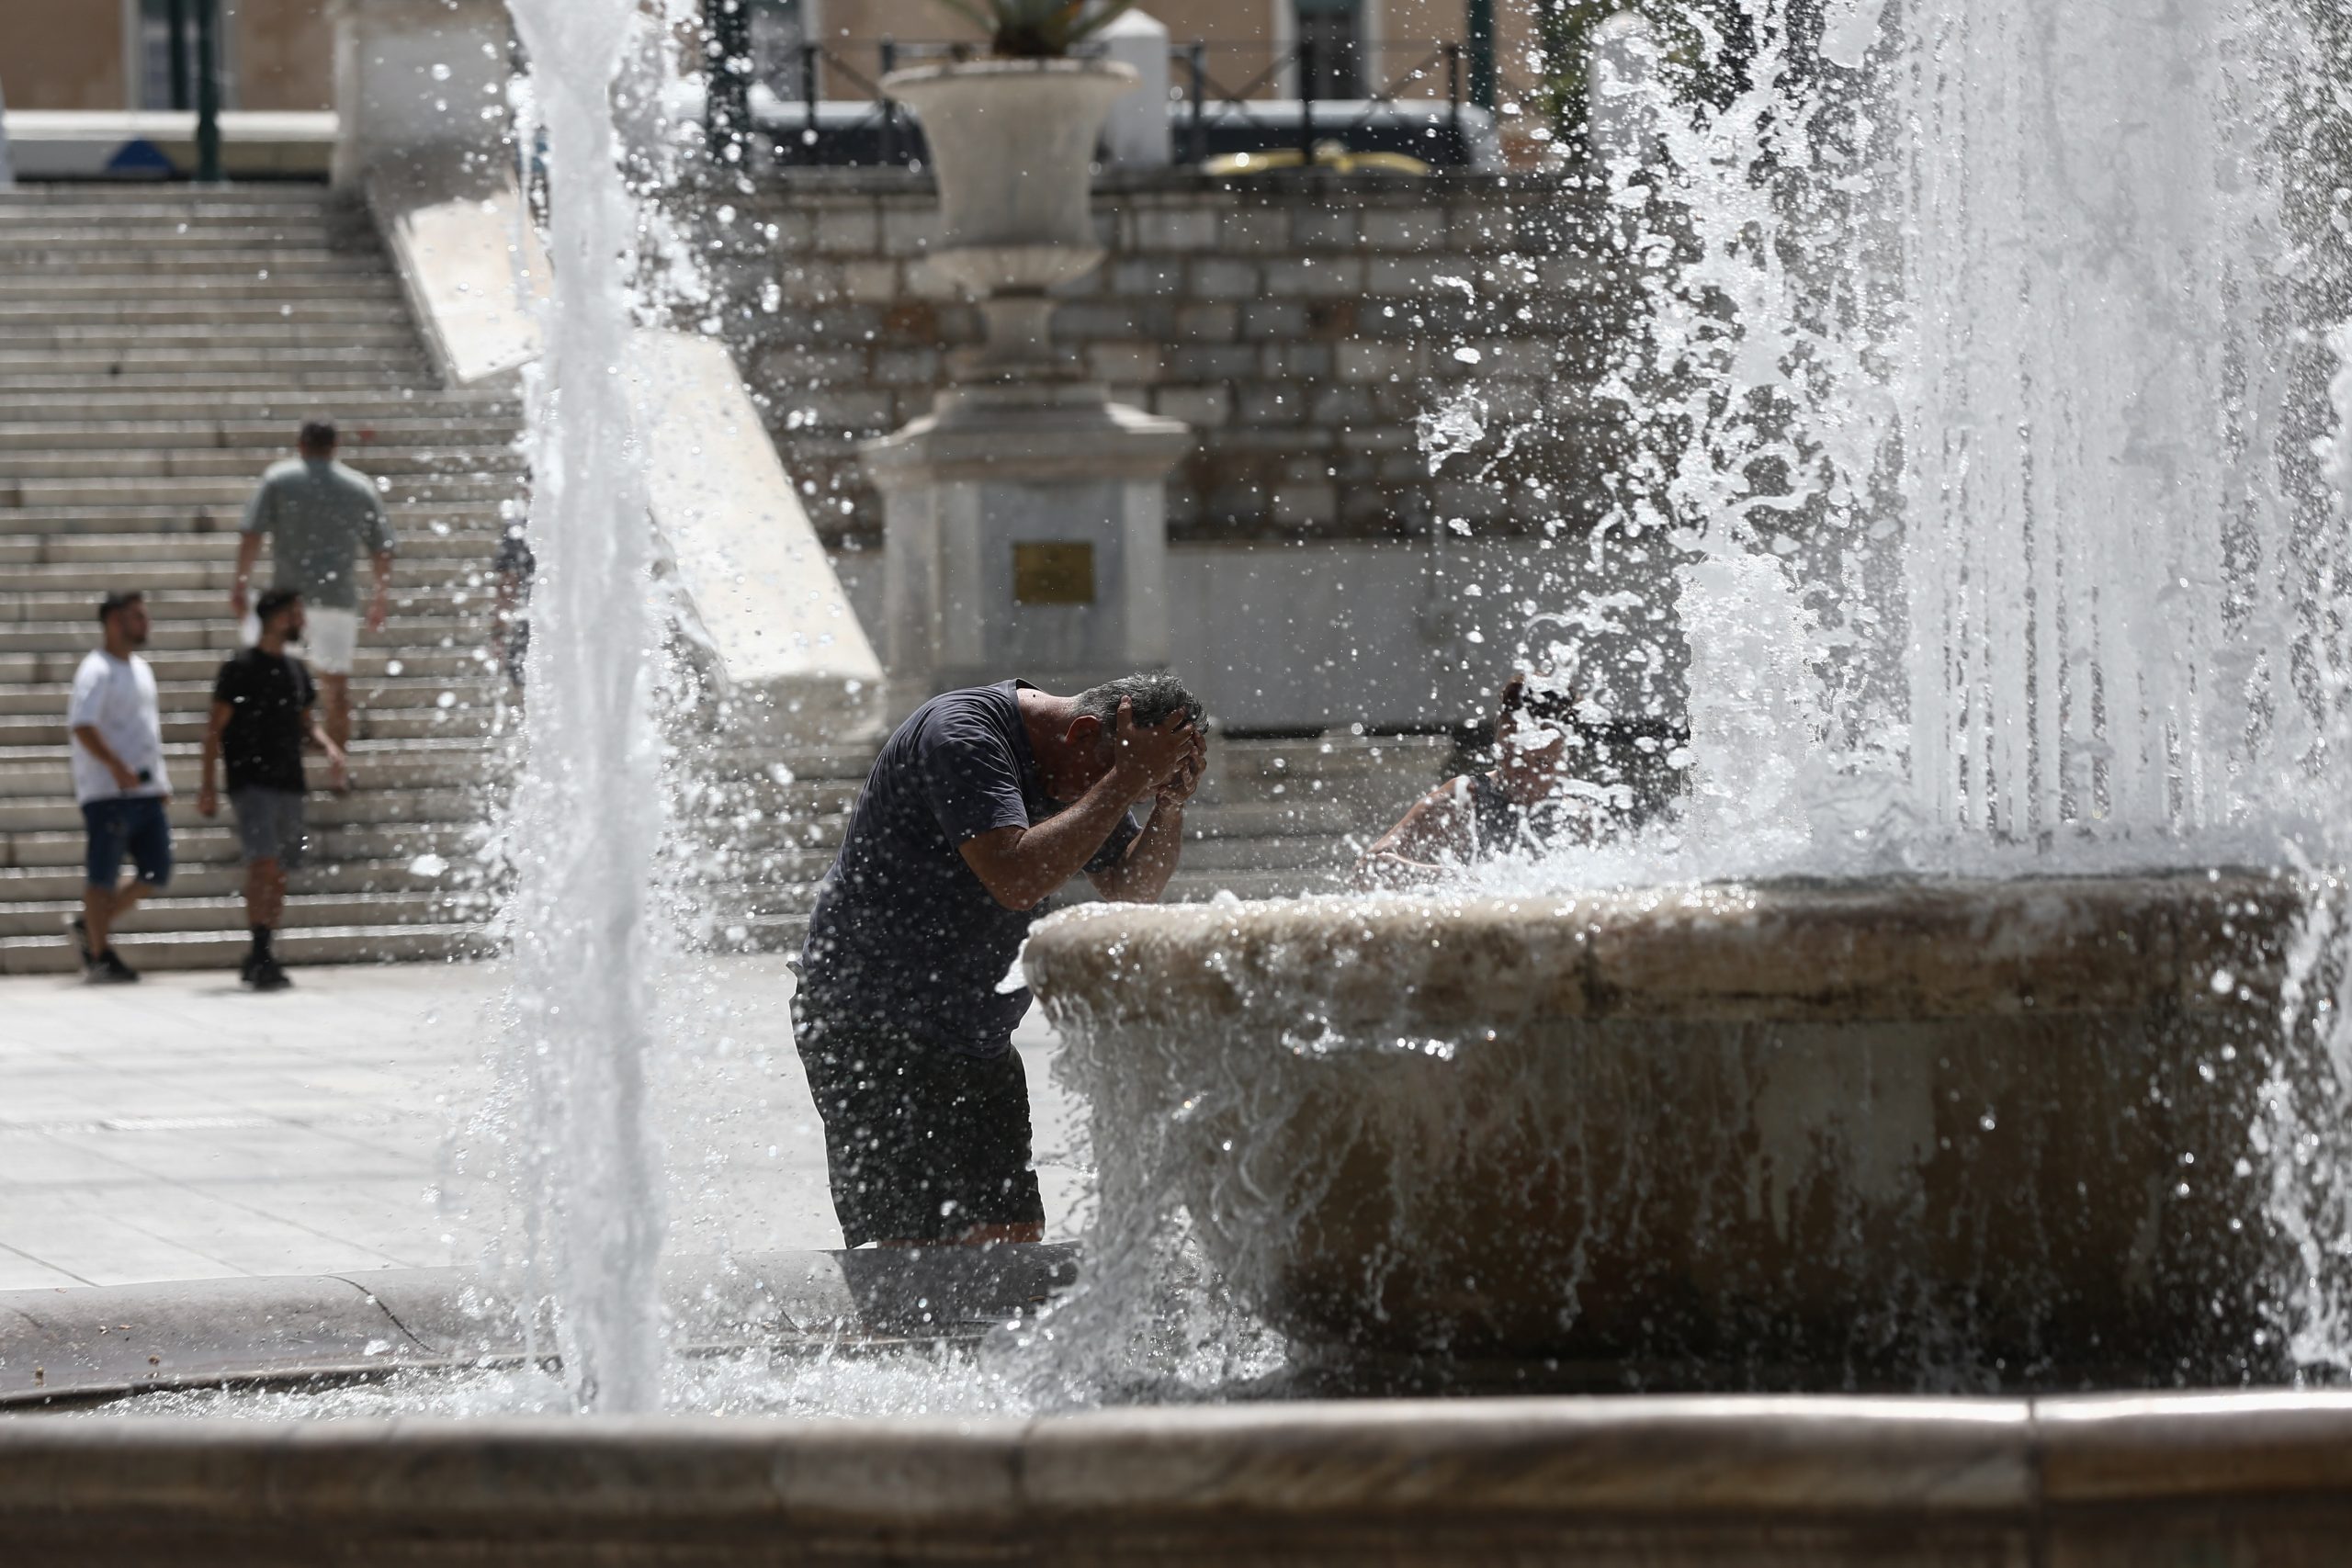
[{"x": 184, "y": 1128}]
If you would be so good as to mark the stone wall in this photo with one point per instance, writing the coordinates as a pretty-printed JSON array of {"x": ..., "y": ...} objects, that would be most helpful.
[{"x": 1305, "y": 326}]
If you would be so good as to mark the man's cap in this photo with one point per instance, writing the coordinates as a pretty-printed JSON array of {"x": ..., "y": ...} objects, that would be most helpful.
[
  {"x": 119, "y": 598},
  {"x": 272, "y": 600},
  {"x": 317, "y": 431}
]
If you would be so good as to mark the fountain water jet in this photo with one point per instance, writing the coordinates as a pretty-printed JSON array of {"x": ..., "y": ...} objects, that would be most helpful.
[{"x": 588, "y": 812}]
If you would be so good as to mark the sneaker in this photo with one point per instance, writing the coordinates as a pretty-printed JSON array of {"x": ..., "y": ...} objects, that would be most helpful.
[
  {"x": 108, "y": 969},
  {"x": 264, "y": 974},
  {"x": 81, "y": 929}
]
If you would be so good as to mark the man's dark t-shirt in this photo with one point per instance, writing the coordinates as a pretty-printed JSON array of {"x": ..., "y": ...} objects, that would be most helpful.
[
  {"x": 904, "y": 932},
  {"x": 268, "y": 697}
]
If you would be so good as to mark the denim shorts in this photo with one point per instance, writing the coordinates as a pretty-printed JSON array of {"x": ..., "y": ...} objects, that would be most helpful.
[
  {"x": 269, "y": 824},
  {"x": 134, "y": 825}
]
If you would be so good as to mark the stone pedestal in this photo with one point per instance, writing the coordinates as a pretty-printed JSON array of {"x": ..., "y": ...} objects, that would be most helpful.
[
  {"x": 1026, "y": 530},
  {"x": 1026, "y": 514}
]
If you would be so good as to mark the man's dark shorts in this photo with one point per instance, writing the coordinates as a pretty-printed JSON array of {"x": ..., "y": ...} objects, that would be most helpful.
[
  {"x": 922, "y": 1142},
  {"x": 133, "y": 825},
  {"x": 269, "y": 824}
]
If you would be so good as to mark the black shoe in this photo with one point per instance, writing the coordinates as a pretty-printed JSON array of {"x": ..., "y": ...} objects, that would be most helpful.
[
  {"x": 263, "y": 974},
  {"x": 81, "y": 929},
  {"x": 108, "y": 969}
]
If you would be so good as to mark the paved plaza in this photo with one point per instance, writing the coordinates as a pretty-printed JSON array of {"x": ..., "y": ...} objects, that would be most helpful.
[{"x": 184, "y": 1128}]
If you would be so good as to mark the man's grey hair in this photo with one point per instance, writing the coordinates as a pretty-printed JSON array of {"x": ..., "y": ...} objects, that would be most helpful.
[{"x": 1155, "y": 697}]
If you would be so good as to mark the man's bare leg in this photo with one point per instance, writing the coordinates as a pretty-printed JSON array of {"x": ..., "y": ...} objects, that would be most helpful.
[
  {"x": 101, "y": 907},
  {"x": 336, "y": 690},
  {"x": 265, "y": 893}
]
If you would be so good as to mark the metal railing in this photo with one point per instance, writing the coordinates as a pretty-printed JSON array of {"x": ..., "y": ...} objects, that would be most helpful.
[{"x": 826, "y": 106}]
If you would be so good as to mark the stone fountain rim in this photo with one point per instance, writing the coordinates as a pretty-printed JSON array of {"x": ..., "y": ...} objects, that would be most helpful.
[
  {"x": 1176, "y": 1474},
  {"x": 1810, "y": 950}
]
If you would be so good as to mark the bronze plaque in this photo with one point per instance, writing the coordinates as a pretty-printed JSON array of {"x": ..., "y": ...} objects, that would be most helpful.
[{"x": 1059, "y": 572}]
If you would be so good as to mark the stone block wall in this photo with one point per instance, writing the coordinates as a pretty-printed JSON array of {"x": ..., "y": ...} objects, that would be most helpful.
[{"x": 1306, "y": 326}]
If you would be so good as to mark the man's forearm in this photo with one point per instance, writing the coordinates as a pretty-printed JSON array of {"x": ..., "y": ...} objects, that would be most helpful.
[
  {"x": 1142, "y": 876},
  {"x": 1058, "y": 849},
  {"x": 383, "y": 572},
  {"x": 248, "y": 552}
]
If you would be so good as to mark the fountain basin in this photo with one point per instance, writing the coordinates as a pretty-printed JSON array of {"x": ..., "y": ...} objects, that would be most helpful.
[{"x": 1863, "y": 1134}]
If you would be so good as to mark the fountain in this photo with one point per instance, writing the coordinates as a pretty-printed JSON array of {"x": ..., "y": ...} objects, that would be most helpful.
[
  {"x": 1937, "y": 1045},
  {"x": 1971, "y": 1027}
]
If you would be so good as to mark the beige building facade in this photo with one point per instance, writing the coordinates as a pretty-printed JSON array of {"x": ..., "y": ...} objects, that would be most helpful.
[
  {"x": 278, "y": 54},
  {"x": 116, "y": 54}
]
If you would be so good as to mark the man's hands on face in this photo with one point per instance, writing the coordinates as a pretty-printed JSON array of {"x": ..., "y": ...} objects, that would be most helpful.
[
  {"x": 1178, "y": 787},
  {"x": 1146, "y": 756}
]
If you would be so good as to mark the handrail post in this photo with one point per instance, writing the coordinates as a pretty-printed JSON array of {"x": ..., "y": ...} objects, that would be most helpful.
[
  {"x": 1454, "y": 100},
  {"x": 1481, "y": 29},
  {"x": 809, "y": 88},
  {"x": 176, "y": 22},
  {"x": 1306, "y": 101},
  {"x": 889, "y": 50},
  {"x": 208, "y": 91},
  {"x": 726, "y": 103},
  {"x": 1199, "y": 140}
]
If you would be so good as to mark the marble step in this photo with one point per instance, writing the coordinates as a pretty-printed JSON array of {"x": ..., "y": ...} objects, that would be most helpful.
[
  {"x": 173, "y": 606},
  {"x": 407, "y": 517},
  {"x": 283, "y": 365},
  {"x": 174, "y": 696},
  {"x": 200, "y": 561},
  {"x": 218, "y": 636},
  {"x": 38, "y": 775},
  {"x": 485, "y": 453},
  {"x": 260, "y": 284},
  {"x": 210, "y": 867},
  {"x": 457, "y": 842},
  {"x": 231, "y": 489},
  {"x": 227, "y": 913},
  {"x": 86, "y": 403},
  {"x": 258, "y": 253},
  {"x": 468, "y": 716},
  {"x": 347, "y": 311},
  {"x": 247, "y": 389},
  {"x": 442, "y": 941},
  {"x": 401, "y": 432},
  {"x": 55, "y": 668}
]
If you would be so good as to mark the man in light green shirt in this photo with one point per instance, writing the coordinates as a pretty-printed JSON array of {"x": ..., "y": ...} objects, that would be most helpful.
[{"x": 318, "y": 516}]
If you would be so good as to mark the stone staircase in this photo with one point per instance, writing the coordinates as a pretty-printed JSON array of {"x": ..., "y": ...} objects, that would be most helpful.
[{"x": 158, "y": 347}]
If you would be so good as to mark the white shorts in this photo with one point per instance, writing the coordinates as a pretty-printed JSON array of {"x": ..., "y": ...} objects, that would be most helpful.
[{"x": 328, "y": 638}]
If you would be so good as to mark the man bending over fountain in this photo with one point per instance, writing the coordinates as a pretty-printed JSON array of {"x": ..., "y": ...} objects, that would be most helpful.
[{"x": 978, "y": 808}]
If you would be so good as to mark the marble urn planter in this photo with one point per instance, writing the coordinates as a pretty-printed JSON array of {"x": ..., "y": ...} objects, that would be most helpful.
[
  {"x": 1955, "y": 1134},
  {"x": 1011, "y": 143}
]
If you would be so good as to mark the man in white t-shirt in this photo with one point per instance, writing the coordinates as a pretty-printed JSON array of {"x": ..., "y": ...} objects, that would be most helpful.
[{"x": 119, "y": 779}]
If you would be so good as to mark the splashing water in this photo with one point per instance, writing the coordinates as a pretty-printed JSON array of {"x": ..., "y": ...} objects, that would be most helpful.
[
  {"x": 588, "y": 809},
  {"x": 2016, "y": 376}
]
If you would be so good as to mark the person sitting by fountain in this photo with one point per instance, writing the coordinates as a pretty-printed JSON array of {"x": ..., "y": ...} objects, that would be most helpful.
[
  {"x": 980, "y": 805},
  {"x": 1527, "y": 801}
]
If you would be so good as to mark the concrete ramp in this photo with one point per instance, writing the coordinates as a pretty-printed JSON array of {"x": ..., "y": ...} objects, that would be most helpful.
[{"x": 755, "y": 588}]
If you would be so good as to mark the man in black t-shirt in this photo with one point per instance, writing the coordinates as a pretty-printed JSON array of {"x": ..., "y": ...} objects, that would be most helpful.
[
  {"x": 978, "y": 809},
  {"x": 262, "y": 713}
]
